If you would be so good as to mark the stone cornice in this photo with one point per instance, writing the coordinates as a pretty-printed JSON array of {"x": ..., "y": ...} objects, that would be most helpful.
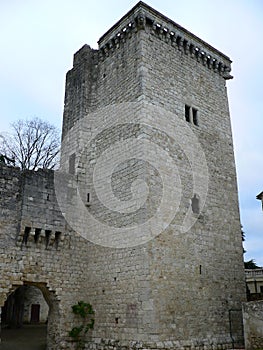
[{"x": 143, "y": 17}]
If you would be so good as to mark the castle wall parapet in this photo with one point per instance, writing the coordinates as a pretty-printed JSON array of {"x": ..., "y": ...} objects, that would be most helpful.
[{"x": 143, "y": 17}]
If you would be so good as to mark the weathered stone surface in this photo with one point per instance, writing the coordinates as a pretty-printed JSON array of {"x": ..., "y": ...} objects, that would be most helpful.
[
  {"x": 253, "y": 324},
  {"x": 175, "y": 290}
]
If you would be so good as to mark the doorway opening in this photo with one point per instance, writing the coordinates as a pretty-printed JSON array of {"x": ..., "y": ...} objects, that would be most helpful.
[
  {"x": 29, "y": 318},
  {"x": 26, "y": 305}
]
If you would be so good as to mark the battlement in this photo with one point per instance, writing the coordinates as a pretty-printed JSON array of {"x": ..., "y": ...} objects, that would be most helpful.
[
  {"x": 30, "y": 197},
  {"x": 144, "y": 17}
]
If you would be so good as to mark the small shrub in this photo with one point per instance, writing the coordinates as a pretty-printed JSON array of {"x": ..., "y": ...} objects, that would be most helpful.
[{"x": 77, "y": 333}]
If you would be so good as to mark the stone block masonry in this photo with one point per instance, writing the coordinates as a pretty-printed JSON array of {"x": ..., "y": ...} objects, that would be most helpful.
[
  {"x": 253, "y": 324},
  {"x": 146, "y": 133},
  {"x": 30, "y": 254}
]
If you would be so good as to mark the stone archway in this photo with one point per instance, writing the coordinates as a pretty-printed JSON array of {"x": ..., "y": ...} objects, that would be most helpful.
[{"x": 53, "y": 320}]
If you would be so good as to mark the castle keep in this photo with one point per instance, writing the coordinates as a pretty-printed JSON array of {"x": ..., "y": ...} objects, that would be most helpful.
[{"x": 142, "y": 218}]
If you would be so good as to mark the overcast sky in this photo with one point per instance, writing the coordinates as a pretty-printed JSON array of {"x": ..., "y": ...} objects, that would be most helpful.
[{"x": 39, "y": 38}]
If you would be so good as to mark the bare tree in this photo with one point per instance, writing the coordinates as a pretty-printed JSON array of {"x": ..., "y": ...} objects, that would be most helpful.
[{"x": 32, "y": 144}]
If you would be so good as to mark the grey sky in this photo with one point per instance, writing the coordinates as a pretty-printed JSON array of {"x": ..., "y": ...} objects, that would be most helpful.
[{"x": 38, "y": 39}]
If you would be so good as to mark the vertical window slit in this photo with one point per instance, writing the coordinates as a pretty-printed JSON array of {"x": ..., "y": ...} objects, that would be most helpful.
[
  {"x": 88, "y": 200},
  {"x": 195, "y": 204},
  {"x": 195, "y": 117},
  {"x": 187, "y": 113}
]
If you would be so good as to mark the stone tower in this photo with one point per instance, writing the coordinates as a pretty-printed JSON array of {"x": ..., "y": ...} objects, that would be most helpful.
[
  {"x": 142, "y": 219},
  {"x": 150, "y": 105}
]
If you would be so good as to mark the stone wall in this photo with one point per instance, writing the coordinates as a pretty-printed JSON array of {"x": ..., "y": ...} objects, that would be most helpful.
[
  {"x": 172, "y": 80},
  {"x": 170, "y": 289},
  {"x": 148, "y": 71},
  {"x": 253, "y": 324},
  {"x": 56, "y": 268},
  {"x": 11, "y": 183}
]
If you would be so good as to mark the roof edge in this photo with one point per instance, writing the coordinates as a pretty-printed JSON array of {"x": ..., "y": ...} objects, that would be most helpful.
[
  {"x": 260, "y": 196},
  {"x": 148, "y": 9}
]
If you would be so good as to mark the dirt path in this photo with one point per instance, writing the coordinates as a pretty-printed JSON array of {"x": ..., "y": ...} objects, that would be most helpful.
[{"x": 30, "y": 337}]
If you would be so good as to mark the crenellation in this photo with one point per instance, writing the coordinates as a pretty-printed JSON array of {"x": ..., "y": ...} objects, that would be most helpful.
[{"x": 149, "y": 20}]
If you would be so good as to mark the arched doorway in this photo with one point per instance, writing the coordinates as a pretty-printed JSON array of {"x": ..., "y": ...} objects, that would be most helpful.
[
  {"x": 29, "y": 318},
  {"x": 26, "y": 305}
]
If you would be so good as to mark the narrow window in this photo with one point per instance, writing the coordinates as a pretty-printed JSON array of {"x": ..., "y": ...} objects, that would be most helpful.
[
  {"x": 47, "y": 236},
  {"x": 187, "y": 113},
  {"x": 195, "y": 205},
  {"x": 37, "y": 234},
  {"x": 195, "y": 118},
  {"x": 72, "y": 159},
  {"x": 26, "y": 235},
  {"x": 88, "y": 200}
]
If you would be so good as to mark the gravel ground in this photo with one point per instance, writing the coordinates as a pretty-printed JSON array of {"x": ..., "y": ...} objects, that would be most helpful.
[{"x": 30, "y": 337}]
